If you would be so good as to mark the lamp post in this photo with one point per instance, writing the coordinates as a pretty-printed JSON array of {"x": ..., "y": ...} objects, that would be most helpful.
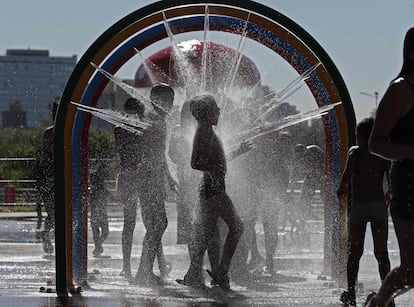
[{"x": 375, "y": 95}]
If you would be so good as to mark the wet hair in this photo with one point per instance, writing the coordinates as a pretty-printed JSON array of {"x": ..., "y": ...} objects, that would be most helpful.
[
  {"x": 364, "y": 127},
  {"x": 201, "y": 104},
  {"x": 162, "y": 89},
  {"x": 134, "y": 106},
  {"x": 408, "y": 64}
]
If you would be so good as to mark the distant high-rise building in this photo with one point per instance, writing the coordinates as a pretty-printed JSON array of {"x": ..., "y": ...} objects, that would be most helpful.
[
  {"x": 34, "y": 79},
  {"x": 15, "y": 117}
]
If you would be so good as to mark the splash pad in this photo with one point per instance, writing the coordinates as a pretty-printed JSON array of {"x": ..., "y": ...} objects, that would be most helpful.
[{"x": 147, "y": 27}]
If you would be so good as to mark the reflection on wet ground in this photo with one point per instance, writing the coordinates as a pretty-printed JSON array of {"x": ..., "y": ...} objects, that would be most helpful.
[{"x": 299, "y": 281}]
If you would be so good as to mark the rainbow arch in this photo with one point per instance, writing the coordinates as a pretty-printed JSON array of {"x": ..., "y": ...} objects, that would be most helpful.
[{"x": 143, "y": 28}]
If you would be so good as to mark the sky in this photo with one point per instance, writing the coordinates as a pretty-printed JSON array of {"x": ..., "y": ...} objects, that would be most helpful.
[{"x": 363, "y": 38}]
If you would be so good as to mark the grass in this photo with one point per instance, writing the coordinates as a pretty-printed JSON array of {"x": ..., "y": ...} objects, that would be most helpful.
[
  {"x": 17, "y": 208},
  {"x": 32, "y": 208}
]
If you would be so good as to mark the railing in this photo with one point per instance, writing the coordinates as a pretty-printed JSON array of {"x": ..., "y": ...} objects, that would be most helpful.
[
  {"x": 18, "y": 192},
  {"x": 23, "y": 192},
  {"x": 22, "y": 196}
]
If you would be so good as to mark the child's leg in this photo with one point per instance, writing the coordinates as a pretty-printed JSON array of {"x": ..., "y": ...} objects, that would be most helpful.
[
  {"x": 269, "y": 218},
  {"x": 161, "y": 257},
  {"x": 238, "y": 267},
  {"x": 380, "y": 236},
  {"x": 95, "y": 232},
  {"x": 228, "y": 213},
  {"x": 154, "y": 218},
  {"x": 104, "y": 229},
  {"x": 50, "y": 210},
  {"x": 213, "y": 249},
  {"x": 39, "y": 210},
  {"x": 255, "y": 257},
  {"x": 130, "y": 215},
  {"x": 163, "y": 265},
  {"x": 250, "y": 231},
  {"x": 401, "y": 278},
  {"x": 184, "y": 215},
  {"x": 356, "y": 249},
  {"x": 49, "y": 202},
  {"x": 101, "y": 218},
  {"x": 308, "y": 190},
  {"x": 205, "y": 223}
]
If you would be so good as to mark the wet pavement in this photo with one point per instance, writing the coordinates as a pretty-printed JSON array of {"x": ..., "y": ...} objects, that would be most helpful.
[{"x": 299, "y": 281}]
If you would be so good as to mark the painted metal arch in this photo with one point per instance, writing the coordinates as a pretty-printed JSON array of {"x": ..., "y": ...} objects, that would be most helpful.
[{"x": 143, "y": 28}]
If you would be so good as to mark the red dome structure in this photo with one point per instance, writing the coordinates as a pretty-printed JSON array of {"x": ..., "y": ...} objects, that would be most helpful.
[{"x": 221, "y": 60}]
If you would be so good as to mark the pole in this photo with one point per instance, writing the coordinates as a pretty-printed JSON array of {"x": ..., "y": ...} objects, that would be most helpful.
[
  {"x": 375, "y": 96},
  {"x": 376, "y": 100}
]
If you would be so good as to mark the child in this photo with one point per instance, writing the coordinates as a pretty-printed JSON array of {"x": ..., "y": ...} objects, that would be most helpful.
[
  {"x": 366, "y": 173},
  {"x": 99, "y": 195},
  {"x": 392, "y": 139},
  {"x": 208, "y": 157},
  {"x": 154, "y": 174},
  {"x": 129, "y": 147},
  {"x": 180, "y": 153},
  {"x": 46, "y": 182},
  {"x": 181, "y": 145}
]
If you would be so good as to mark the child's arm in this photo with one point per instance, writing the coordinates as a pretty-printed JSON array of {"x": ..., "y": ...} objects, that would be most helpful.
[
  {"x": 201, "y": 149},
  {"x": 47, "y": 145},
  {"x": 244, "y": 147},
  {"x": 347, "y": 174},
  {"x": 387, "y": 195},
  {"x": 170, "y": 179},
  {"x": 173, "y": 149}
]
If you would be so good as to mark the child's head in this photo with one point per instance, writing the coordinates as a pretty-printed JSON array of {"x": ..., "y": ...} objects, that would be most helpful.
[
  {"x": 54, "y": 107},
  {"x": 363, "y": 130},
  {"x": 204, "y": 108},
  {"x": 162, "y": 97},
  {"x": 408, "y": 50},
  {"x": 134, "y": 106},
  {"x": 408, "y": 54}
]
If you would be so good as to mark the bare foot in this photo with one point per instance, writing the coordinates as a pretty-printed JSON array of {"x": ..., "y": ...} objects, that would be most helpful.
[
  {"x": 147, "y": 280},
  {"x": 196, "y": 283},
  {"x": 221, "y": 279},
  {"x": 165, "y": 270}
]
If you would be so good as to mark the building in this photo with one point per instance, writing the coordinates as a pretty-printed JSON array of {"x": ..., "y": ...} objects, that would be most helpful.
[{"x": 31, "y": 80}]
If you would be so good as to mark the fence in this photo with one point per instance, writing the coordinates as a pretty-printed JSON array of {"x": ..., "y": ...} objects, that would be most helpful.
[
  {"x": 23, "y": 192},
  {"x": 17, "y": 191}
]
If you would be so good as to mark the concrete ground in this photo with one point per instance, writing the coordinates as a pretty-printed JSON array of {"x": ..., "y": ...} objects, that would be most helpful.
[{"x": 25, "y": 269}]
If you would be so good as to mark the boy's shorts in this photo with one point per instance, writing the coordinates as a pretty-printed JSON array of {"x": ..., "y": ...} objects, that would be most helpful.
[{"x": 364, "y": 212}]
